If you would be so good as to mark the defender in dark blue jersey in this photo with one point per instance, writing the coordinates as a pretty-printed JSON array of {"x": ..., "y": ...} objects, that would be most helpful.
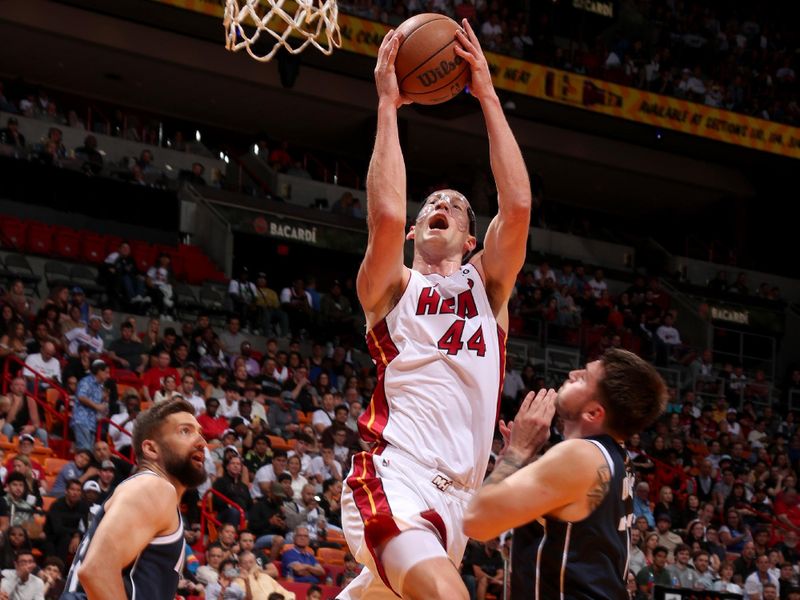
[
  {"x": 134, "y": 546},
  {"x": 572, "y": 507}
]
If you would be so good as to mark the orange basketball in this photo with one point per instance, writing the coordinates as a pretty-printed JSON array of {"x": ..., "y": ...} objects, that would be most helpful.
[{"x": 428, "y": 69}]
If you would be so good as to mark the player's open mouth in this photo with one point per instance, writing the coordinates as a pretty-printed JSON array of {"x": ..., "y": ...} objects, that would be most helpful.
[
  {"x": 198, "y": 458},
  {"x": 438, "y": 221}
]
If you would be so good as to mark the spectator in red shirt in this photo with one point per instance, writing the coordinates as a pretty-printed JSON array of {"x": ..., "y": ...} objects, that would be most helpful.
[
  {"x": 26, "y": 442},
  {"x": 213, "y": 426},
  {"x": 153, "y": 379},
  {"x": 787, "y": 509},
  {"x": 280, "y": 158}
]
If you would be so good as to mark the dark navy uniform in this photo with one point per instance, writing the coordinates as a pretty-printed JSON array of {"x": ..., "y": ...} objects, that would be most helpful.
[
  {"x": 584, "y": 560},
  {"x": 153, "y": 575}
]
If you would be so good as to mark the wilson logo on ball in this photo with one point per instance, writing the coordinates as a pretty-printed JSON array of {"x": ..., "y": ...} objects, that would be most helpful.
[{"x": 445, "y": 67}]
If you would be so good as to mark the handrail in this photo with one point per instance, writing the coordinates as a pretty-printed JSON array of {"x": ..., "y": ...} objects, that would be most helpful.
[
  {"x": 251, "y": 174},
  {"x": 206, "y": 515},
  {"x": 319, "y": 164},
  {"x": 98, "y": 435},
  {"x": 37, "y": 379},
  {"x": 338, "y": 176}
]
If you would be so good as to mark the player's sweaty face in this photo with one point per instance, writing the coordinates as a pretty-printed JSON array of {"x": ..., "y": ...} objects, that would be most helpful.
[{"x": 453, "y": 204}]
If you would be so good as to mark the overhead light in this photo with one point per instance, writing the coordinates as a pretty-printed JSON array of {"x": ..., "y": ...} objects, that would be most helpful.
[
  {"x": 222, "y": 156},
  {"x": 197, "y": 135},
  {"x": 255, "y": 149}
]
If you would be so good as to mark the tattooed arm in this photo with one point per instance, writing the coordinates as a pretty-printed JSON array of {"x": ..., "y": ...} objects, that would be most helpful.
[{"x": 568, "y": 482}]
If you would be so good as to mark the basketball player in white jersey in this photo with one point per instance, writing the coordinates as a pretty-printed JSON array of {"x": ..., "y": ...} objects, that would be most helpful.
[
  {"x": 436, "y": 333},
  {"x": 134, "y": 547}
]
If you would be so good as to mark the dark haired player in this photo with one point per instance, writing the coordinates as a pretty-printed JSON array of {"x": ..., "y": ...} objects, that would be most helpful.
[
  {"x": 573, "y": 507},
  {"x": 134, "y": 547}
]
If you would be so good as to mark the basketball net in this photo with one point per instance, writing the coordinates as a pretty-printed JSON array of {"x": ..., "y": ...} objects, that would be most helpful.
[{"x": 255, "y": 24}]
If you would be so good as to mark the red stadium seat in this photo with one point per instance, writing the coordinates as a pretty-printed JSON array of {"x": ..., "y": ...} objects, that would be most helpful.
[
  {"x": 93, "y": 247},
  {"x": 39, "y": 238},
  {"x": 67, "y": 242},
  {"x": 12, "y": 232},
  {"x": 144, "y": 254},
  {"x": 112, "y": 244}
]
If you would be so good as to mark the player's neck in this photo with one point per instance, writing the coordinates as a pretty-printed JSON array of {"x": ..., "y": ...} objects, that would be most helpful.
[
  {"x": 158, "y": 470},
  {"x": 429, "y": 264}
]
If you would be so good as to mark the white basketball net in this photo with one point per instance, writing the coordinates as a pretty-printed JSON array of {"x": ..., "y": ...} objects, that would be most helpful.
[{"x": 311, "y": 22}]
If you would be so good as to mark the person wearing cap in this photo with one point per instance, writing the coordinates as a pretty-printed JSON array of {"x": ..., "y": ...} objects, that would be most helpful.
[
  {"x": 213, "y": 424},
  {"x": 11, "y": 135},
  {"x": 229, "y": 439},
  {"x": 79, "y": 300},
  {"x": 78, "y": 468},
  {"x": 106, "y": 480},
  {"x": 274, "y": 321},
  {"x": 91, "y": 404},
  {"x": 667, "y": 538},
  {"x": 67, "y": 518},
  {"x": 90, "y": 336},
  {"x": 91, "y": 493}
]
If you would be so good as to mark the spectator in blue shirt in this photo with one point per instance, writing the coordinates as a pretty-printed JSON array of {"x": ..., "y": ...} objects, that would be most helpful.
[
  {"x": 299, "y": 563},
  {"x": 641, "y": 504},
  {"x": 78, "y": 469},
  {"x": 90, "y": 404}
]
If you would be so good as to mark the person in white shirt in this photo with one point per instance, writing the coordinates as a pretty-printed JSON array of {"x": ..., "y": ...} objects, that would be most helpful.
[
  {"x": 754, "y": 584},
  {"x": 668, "y": 333},
  {"x": 89, "y": 336},
  {"x": 758, "y": 437},
  {"x": 188, "y": 393},
  {"x": 44, "y": 363},
  {"x": 268, "y": 474},
  {"x": 229, "y": 405},
  {"x": 122, "y": 435},
  {"x": 20, "y": 583},
  {"x": 325, "y": 467},
  {"x": 301, "y": 450},
  {"x": 512, "y": 384},
  {"x": 598, "y": 284},
  {"x": 158, "y": 283},
  {"x": 323, "y": 416}
]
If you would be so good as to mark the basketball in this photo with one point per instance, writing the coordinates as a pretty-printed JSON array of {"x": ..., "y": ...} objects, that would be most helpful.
[{"x": 428, "y": 69}]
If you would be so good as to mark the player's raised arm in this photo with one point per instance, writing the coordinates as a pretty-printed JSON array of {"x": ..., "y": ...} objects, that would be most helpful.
[
  {"x": 505, "y": 242},
  {"x": 144, "y": 511},
  {"x": 515, "y": 494},
  {"x": 382, "y": 273}
]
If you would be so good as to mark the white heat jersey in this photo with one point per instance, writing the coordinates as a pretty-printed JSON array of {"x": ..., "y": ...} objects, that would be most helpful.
[{"x": 440, "y": 358}]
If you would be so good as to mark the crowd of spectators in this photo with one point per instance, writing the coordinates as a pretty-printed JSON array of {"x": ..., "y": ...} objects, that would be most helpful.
[
  {"x": 730, "y": 55},
  {"x": 281, "y": 415}
]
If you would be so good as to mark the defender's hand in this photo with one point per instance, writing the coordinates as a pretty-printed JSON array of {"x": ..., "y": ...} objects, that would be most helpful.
[{"x": 532, "y": 424}]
